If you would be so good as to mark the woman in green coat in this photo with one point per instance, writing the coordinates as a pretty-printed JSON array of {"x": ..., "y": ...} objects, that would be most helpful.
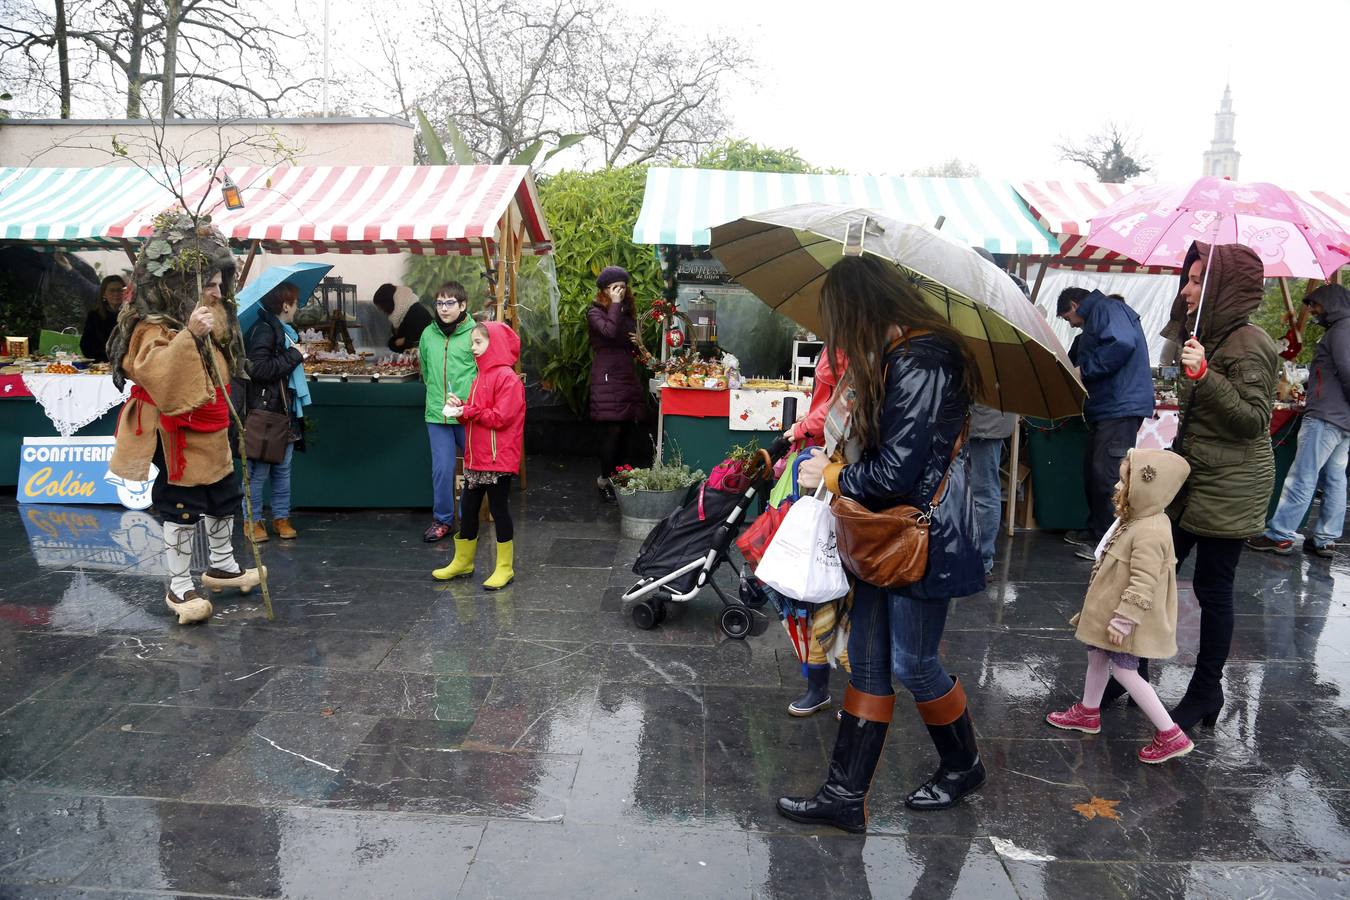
[
  {"x": 1231, "y": 367},
  {"x": 448, "y": 371}
]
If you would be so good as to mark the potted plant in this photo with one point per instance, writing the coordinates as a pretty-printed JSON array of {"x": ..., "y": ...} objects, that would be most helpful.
[{"x": 648, "y": 495}]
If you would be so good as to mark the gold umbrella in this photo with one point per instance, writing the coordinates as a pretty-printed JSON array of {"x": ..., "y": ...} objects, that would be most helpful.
[{"x": 782, "y": 257}]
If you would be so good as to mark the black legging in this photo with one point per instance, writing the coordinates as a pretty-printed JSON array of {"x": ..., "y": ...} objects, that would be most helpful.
[
  {"x": 613, "y": 440},
  {"x": 472, "y": 501}
]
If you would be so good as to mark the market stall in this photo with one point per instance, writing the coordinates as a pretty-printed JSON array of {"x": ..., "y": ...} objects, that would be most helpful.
[
  {"x": 364, "y": 420},
  {"x": 679, "y": 209}
]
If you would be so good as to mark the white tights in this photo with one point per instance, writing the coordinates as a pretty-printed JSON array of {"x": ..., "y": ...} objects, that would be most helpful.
[{"x": 1094, "y": 686}]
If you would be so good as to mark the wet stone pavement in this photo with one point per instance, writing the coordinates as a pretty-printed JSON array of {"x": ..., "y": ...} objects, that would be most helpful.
[{"x": 391, "y": 736}]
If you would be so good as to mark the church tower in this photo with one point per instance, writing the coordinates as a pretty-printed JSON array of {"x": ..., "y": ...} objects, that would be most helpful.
[{"x": 1222, "y": 157}]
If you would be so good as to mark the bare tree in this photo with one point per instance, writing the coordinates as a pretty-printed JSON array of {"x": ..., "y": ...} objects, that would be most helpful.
[
  {"x": 189, "y": 52},
  {"x": 1112, "y": 154},
  {"x": 521, "y": 73},
  {"x": 955, "y": 167}
]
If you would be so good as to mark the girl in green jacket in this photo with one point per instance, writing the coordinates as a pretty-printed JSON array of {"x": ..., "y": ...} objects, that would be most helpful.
[{"x": 448, "y": 371}]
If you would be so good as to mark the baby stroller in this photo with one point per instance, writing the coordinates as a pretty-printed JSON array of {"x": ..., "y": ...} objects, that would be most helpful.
[{"x": 684, "y": 551}]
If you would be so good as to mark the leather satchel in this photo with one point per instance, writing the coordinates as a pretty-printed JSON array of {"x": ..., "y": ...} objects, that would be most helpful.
[
  {"x": 267, "y": 434},
  {"x": 889, "y": 548}
]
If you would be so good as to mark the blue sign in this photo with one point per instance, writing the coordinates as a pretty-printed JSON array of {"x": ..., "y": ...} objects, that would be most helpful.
[
  {"x": 75, "y": 470},
  {"x": 114, "y": 540}
]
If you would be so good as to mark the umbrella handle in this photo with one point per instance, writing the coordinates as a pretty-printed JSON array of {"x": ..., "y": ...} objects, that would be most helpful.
[{"x": 1204, "y": 283}]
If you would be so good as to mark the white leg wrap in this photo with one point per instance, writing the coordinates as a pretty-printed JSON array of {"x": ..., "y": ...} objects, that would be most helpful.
[
  {"x": 178, "y": 556},
  {"x": 219, "y": 535}
]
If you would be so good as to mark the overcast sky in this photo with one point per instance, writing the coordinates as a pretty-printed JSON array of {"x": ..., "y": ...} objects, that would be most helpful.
[{"x": 887, "y": 87}]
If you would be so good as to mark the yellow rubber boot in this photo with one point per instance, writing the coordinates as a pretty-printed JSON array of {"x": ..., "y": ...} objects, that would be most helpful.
[
  {"x": 462, "y": 564},
  {"x": 504, "y": 574}
]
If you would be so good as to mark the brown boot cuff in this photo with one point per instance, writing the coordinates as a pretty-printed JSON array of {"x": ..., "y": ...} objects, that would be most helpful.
[
  {"x": 945, "y": 709},
  {"x": 870, "y": 707}
]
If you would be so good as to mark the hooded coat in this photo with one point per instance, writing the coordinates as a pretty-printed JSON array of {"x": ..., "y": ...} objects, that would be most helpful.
[
  {"x": 1328, "y": 383},
  {"x": 1112, "y": 355},
  {"x": 1136, "y": 575},
  {"x": 1225, "y": 416},
  {"x": 494, "y": 415},
  {"x": 616, "y": 393}
]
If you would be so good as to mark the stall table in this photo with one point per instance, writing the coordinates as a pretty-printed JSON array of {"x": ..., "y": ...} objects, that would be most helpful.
[
  {"x": 1057, "y": 450},
  {"x": 21, "y": 416},
  {"x": 702, "y": 426}
]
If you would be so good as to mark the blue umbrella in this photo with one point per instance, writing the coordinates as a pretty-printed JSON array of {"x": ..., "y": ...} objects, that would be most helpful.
[{"x": 304, "y": 275}]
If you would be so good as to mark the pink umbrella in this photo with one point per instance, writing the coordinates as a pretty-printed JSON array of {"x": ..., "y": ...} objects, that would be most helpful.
[{"x": 1155, "y": 225}]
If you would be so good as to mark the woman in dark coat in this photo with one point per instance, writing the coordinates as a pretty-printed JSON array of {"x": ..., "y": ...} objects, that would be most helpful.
[
  {"x": 910, "y": 408},
  {"x": 617, "y": 399},
  {"x": 102, "y": 319}
]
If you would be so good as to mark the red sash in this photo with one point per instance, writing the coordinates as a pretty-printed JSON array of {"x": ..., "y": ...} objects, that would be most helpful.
[{"x": 213, "y": 416}]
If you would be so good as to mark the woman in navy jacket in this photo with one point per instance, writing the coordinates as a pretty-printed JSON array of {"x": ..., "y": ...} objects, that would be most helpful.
[{"x": 909, "y": 408}]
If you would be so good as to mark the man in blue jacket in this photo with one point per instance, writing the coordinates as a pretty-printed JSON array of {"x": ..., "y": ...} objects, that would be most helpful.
[
  {"x": 1323, "y": 438},
  {"x": 1112, "y": 358}
]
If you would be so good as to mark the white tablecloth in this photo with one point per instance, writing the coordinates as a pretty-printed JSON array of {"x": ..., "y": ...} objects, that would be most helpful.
[
  {"x": 1158, "y": 431},
  {"x": 759, "y": 410},
  {"x": 73, "y": 401}
]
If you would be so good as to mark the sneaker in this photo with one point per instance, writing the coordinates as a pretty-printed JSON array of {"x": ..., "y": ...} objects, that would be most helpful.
[
  {"x": 437, "y": 531},
  {"x": 1166, "y": 745},
  {"x": 1310, "y": 547},
  {"x": 1077, "y": 718},
  {"x": 1081, "y": 538},
  {"x": 1263, "y": 544},
  {"x": 1084, "y": 552}
]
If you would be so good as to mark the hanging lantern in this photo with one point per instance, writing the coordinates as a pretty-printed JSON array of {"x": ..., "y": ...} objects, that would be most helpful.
[
  {"x": 674, "y": 338},
  {"x": 230, "y": 191}
]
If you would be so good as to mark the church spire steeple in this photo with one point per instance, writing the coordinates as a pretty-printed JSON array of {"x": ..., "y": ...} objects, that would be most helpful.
[{"x": 1222, "y": 157}]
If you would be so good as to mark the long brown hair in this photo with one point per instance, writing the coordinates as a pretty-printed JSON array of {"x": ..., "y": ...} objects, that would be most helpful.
[
  {"x": 861, "y": 298},
  {"x": 629, "y": 302}
]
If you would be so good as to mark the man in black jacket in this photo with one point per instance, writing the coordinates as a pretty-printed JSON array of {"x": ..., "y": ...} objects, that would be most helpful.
[{"x": 408, "y": 331}]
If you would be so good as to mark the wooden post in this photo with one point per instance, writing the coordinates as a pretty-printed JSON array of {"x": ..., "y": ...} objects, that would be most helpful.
[
  {"x": 248, "y": 264},
  {"x": 131, "y": 254},
  {"x": 1014, "y": 464},
  {"x": 1040, "y": 277},
  {"x": 1295, "y": 320}
]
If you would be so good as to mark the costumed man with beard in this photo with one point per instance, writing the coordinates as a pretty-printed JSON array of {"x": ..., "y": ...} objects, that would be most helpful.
[{"x": 178, "y": 341}]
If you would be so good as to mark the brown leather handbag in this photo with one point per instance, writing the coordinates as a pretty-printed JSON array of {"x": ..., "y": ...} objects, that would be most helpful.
[
  {"x": 267, "y": 434},
  {"x": 889, "y": 548}
]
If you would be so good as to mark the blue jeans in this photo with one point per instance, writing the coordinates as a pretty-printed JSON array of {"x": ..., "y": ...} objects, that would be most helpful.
[
  {"x": 447, "y": 442},
  {"x": 985, "y": 484},
  {"x": 280, "y": 474},
  {"x": 1321, "y": 455},
  {"x": 891, "y": 634}
]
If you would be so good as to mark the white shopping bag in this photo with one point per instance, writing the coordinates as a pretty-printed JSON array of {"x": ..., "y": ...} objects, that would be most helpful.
[{"x": 802, "y": 560}]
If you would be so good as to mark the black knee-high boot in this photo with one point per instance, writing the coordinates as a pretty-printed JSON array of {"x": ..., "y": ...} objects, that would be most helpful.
[
  {"x": 959, "y": 770},
  {"x": 842, "y": 799},
  {"x": 1203, "y": 699}
]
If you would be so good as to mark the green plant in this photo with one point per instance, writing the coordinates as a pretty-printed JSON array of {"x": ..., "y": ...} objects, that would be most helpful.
[
  {"x": 1273, "y": 319},
  {"x": 660, "y": 476}
]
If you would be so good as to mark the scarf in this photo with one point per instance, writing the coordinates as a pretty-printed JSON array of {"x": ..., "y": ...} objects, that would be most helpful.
[
  {"x": 297, "y": 381},
  {"x": 449, "y": 328},
  {"x": 213, "y": 416}
]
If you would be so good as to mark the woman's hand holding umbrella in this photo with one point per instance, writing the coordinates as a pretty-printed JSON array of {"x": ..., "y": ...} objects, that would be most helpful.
[{"x": 1193, "y": 359}]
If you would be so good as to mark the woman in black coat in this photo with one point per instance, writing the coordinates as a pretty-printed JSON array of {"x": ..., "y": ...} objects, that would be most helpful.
[
  {"x": 271, "y": 360},
  {"x": 102, "y": 319},
  {"x": 909, "y": 410}
]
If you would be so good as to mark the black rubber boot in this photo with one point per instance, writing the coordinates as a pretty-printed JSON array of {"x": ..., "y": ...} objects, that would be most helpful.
[
  {"x": 817, "y": 695},
  {"x": 1203, "y": 699},
  {"x": 842, "y": 800},
  {"x": 959, "y": 771}
]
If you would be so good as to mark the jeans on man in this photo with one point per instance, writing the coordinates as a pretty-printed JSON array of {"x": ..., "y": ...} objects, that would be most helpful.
[
  {"x": 1322, "y": 454},
  {"x": 986, "y": 485},
  {"x": 1108, "y": 442},
  {"x": 891, "y": 634},
  {"x": 447, "y": 443},
  {"x": 280, "y": 474}
]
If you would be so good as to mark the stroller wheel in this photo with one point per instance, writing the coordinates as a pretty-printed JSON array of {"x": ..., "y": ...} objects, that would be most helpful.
[
  {"x": 645, "y": 615},
  {"x": 735, "y": 622},
  {"x": 660, "y": 611}
]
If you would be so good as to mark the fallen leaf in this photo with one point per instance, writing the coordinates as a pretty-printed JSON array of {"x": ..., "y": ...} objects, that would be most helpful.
[
  {"x": 1098, "y": 806},
  {"x": 328, "y": 711}
]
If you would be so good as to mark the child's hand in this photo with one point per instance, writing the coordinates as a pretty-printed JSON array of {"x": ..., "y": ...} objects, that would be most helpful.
[{"x": 1118, "y": 629}]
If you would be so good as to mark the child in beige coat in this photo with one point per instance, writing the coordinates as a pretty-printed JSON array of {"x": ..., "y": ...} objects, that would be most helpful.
[{"x": 1131, "y": 606}]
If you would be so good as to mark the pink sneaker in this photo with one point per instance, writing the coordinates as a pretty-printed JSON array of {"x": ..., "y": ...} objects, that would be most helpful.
[
  {"x": 1166, "y": 745},
  {"x": 1077, "y": 718}
]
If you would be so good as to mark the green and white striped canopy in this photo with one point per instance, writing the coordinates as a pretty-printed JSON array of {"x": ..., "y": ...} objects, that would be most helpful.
[
  {"x": 680, "y": 206},
  {"x": 74, "y": 209}
]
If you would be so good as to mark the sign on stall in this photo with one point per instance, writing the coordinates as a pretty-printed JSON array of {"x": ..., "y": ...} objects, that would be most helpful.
[{"x": 75, "y": 470}]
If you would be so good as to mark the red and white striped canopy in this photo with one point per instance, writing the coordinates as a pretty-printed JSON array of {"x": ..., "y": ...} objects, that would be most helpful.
[
  {"x": 365, "y": 209},
  {"x": 1064, "y": 208}
]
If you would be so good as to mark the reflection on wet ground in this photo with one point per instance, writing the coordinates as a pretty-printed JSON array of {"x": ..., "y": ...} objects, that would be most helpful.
[{"x": 391, "y": 736}]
